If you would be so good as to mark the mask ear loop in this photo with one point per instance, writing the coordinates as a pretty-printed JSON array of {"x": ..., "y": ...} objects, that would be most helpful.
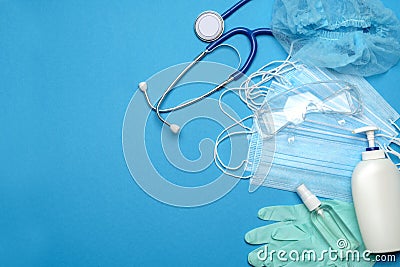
[
  {"x": 217, "y": 159},
  {"x": 392, "y": 139},
  {"x": 247, "y": 130},
  {"x": 238, "y": 122},
  {"x": 249, "y": 95},
  {"x": 395, "y": 125},
  {"x": 390, "y": 151}
]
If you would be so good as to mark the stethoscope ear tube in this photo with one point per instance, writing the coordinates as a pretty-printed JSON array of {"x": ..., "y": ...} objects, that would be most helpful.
[
  {"x": 174, "y": 127},
  {"x": 234, "y": 8},
  {"x": 209, "y": 26},
  {"x": 251, "y": 36}
]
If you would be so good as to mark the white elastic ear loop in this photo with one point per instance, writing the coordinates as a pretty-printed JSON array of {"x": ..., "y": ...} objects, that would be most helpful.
[
  {"x": 266, "y": 76},
  {"x": 267, "y": 73},
  {"x": 390, "y": 151},
  {"x": 384, "y": 122},
  {"x": 218, "y": 161},
  {"x": 394, "y": 152},
  {"x": 395, "y": 141},
  {"x": 217, "y": 157},
  {"x": 234, "y": 49},
  {"x": 250, "y": 93},
  {"x": 395, "y": 125},
  {"x": 392, "y": 139},
  {"x": 238, "y": 122}
]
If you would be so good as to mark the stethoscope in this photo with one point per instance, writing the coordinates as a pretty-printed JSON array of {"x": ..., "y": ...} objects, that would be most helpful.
[{"x": 209, "y": 27}]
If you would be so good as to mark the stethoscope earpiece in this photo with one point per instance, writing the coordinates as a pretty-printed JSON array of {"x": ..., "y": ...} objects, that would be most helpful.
[
  {"x": 174, "y": 128},
  {"x": 143, "y": 87}
]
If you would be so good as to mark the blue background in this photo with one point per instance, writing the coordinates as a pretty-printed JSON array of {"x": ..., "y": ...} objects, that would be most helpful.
[{"x": 68, "y": 70}]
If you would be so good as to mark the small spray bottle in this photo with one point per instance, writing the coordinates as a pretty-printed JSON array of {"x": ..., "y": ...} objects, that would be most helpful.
[
  {"x": 376, "y": 195},
  {"x": 328, "y": 223}
]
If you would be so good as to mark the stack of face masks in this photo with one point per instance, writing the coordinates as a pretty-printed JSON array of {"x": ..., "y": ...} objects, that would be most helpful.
[
  {"x": 350, "y": 36},
  {"x": 310, "y": 113}
]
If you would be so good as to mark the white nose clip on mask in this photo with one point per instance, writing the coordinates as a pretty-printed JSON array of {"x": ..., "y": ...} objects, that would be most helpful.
[{"x": 209, "y": 26}]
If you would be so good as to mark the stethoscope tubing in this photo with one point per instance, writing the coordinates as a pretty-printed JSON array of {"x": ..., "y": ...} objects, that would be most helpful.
[
  {"x": 234, "y": 8},
  {"x": 190, "y": 102},
  {"x": 251, "y": 36}
]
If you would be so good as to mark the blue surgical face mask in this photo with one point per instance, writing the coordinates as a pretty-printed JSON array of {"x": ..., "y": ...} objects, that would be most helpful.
[{"x": 319, "y": 150}]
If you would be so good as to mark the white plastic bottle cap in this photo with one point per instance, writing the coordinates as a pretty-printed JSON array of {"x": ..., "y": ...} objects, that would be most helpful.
[{"x": 308, "y": 198}]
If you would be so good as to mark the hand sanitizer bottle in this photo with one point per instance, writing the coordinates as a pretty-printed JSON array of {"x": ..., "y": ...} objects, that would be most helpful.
[
  {"x": 376, "y": 196},
  {"x": 328, "y": 223}
]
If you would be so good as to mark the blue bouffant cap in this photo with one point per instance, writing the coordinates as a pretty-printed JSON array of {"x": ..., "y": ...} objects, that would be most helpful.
[{"x": 359, "y": 37}]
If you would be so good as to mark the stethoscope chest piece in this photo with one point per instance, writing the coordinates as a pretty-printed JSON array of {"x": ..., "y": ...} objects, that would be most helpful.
[{"x": 209, "y": 26}]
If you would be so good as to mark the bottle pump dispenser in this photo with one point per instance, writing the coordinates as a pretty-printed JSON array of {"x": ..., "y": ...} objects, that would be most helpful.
[{"x": 376, "y": 196}]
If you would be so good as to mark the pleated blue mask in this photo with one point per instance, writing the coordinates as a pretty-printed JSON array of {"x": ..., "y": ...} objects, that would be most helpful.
[{"x": 319, "y": 150}]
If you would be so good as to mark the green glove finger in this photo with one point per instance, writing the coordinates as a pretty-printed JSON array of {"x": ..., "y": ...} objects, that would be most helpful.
[
  {"x": 262, "y": 256},
  {"x": 283, "y": 231},
  {"x": 291, "y": 213},
  {"x": 340, "y": 206},
  {"x": 283, "y": 213},
  {"x": 255, "y": 257},
  {"x": 347, "y": 213},
  {"x": 263, "y": 234},
  {"x": 293, "y": 232}
]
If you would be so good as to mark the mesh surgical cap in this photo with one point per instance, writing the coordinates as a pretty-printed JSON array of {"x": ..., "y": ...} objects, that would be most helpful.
[{"x": 358, "y": 37}]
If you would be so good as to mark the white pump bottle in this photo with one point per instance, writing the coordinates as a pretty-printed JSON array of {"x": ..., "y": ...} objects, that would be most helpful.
[{"x": 376, "y": 196}]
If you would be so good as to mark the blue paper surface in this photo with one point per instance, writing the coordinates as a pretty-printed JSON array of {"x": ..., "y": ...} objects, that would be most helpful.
[{"x": 68, "y": 71}]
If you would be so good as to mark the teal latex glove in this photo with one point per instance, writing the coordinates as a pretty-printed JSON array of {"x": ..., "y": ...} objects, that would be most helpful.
[{"x": 294, "y": 231}]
